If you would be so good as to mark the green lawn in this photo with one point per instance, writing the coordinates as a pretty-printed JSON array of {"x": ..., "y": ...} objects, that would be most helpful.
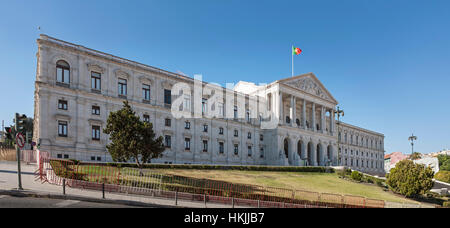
[{"x": 315, "y": 182}]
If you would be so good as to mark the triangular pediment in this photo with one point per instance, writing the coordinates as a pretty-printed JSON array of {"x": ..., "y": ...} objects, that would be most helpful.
[{"x": 309, "y": 83}]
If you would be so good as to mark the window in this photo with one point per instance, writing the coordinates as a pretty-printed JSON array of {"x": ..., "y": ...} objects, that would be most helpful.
[
  {"x": 62, "y": 104},
  {"x": 187, "y": 125},
  {"x": 261, "y": 152},
  {"x": 66, "y": 156},
  {"x": 59, "y": 155},
  {"x": 167, "y": 96},
  {"x": 247, "y": 116},
  {"x": 236, "y": 133},
  {"x": 261, "y": 137},
  {"x": 221, "y": 149},
  {"x": 62, "y": 128},
  {"x": 249, "y": 135},
  {"x": 96, "y": 81},
  {"x": 235, "y": 112},
  {"x": 62, "y": 72},
  {"x": 187, "y": 143},
  {"x": 146, "y": 92},
  {"x": 92, "y": 158},
  {"x": 95, "y": 132},
  {"x": 187, "y": 103},
  {"x": 146, "y": 118},
  {"x": 205, "y": 128},
  {"x": 167, "y": 122},
  {"x": 249, "y": 151},
  {"x": 99, "y": 158},
  {"x": 221, "y": 111},
  {"x": 95, "y": 110},
  {"x": 220, "y": 130},
  {"x": 236, "y": 149},
  {"x": 122, "y": 87},
  {"x": 167, "y": 141},
  {"x": 204, "y": 105},
  {"x": 205, "y": 145}
]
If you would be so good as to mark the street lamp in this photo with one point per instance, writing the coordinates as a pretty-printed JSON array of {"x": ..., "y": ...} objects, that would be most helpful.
[
  {"x": 412, "y": 138},
  {"x": 338, "y": 112}
]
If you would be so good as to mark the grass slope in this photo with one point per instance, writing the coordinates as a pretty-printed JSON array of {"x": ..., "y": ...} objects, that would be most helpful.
[{"x": 315, "y": 182}]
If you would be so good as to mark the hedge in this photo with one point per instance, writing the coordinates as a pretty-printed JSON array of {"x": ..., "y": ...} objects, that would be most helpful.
[
  {"x": 223, "y": 167},
  {"x": 443, "y": 176}
]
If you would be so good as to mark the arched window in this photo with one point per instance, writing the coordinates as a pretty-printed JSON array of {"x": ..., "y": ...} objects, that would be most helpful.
[{"x": 62, "y": 72}]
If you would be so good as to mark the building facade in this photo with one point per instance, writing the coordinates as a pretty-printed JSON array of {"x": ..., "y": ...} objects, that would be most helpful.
[{"x": 287, "y": 122}]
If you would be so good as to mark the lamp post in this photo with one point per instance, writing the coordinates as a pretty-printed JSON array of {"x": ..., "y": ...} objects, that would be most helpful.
[
  {"x": 338, "y": 112},
  {"x": 412, "y": 138}
]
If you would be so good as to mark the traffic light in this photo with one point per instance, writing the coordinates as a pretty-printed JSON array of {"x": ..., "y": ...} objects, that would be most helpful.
[
  {"x": 20, "y": 122},
  {"x": 8, "y": 133}
]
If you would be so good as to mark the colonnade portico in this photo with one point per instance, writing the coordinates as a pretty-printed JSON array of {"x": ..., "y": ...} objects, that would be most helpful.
[
  {"x": 304, "y": 151},
  {"x": 312, "y": 116}
]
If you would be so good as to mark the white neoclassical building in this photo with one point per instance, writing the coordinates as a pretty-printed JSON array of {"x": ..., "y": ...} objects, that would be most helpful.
[{"x": 289, "y": 122}]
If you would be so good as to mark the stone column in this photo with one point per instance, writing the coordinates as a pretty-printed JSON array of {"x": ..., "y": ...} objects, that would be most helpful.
[
  {"x": 293, "y": 115},
  {"x": 313, "y": 114},
  {"x": 331, "y": 122},
  {"x": 322, "y": 120},
  {"x": 280, "y": 107},
  {"x": 304, "y": 114}
]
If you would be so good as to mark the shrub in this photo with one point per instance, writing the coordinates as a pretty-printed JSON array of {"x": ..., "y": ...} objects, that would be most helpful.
[
  {"x": 443, "y": 176},
  {"x": 410, "y": 179},
  {"x": 446, "y": 204},
  {"x": 357, "y": 176}
]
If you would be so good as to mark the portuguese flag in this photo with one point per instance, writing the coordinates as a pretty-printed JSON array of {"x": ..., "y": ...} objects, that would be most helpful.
[{"x": 296, "y": 51}]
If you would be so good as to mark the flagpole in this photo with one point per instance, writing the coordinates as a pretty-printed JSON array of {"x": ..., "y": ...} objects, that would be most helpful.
[{"x": 292, "y": 56}]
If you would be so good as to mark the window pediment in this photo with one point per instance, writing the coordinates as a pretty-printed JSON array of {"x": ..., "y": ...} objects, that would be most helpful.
[
  {"x": 96, "y": 68},
  {"x": 122, "y": 74}
]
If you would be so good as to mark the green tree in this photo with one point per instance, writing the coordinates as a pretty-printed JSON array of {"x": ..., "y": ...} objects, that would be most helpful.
[
  {"x": 444, "y": 162},
  {"x": 415, "y": 156},
  {"x": 132, "y": 138},
  {"x": 410, "y": 179}
]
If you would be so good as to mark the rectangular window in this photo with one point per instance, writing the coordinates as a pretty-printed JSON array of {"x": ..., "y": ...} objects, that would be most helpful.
[
  {"x": 205, "y": 145},
  {"x": 221, "y": 110},
  {"x": 95, "y": 81},
  {"x": 249, "y": 151},
  {"x": 204, "y": 105},
  {"x": 145, "y": 92},
  {"x": 62, "y": 104},
  {"x": 187, "y": 125},
  {"x": 221, "y": 131},
  {"x": 235, "y": 112},
  {"x": 187, "y": 103},
  {"x": 66, "y": 156},
  {"x": 221, "y": 149},
  {"x": 167, "y": 96},
  {"x": 96, "y": 133},
  {"x": 167, "y": 141},
  {"x": 96, "y": 110},
  {"x": 92, "y": 158},
  {"x": 168, "y": 122},
  {"x": 261, "y": 137},
  {"x": 122, "y": 87},
  {"x": 59, "y": 156},
  {"x": 205, "y": 128},
  {"x": 236, "y": 149},
  {"x": 146, "y": 118},
  {"x": 187, "y": 143},
  {"x": 236, "y": 133},
  {"x": 62, "y": 128},
  {"x": 99, "y": 158},
  {"x": 249, "y": 135},
  {"x": 261, "y": 152}
]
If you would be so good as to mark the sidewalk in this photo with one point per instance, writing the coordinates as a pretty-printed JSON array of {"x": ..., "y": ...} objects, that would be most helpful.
[{"x": 8, "y": 186}]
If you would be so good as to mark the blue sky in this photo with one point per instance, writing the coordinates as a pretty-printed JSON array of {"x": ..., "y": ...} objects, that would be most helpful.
[{"x": 386, "y": 62}]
